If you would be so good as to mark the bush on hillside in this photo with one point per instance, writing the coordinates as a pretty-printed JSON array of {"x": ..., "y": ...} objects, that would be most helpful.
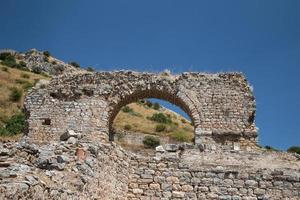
[
  {"x": 149, "y": 104},
  {"x": 4, "y": 55},
  {"x": 74, "y": 64},
  {"x": 160, "y": 127},
  {"x": 156, "y": 106},
  {"x": 13, "y": 126},
  {"x": 9, "y": 61},
  {"x": 294, "y": 149},
  {"x": 90, "y": 69},
  {"x": 127, "y": 109},
  {"x": 15, "y": 94},
  {"x": 47, "y": 53},
  {"x": 160, "y": 118},
  {"x": 127, "y": 127},
  {"x": 151, "y": 142}
]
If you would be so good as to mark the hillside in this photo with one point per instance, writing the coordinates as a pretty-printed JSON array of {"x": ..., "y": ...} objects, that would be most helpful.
[{"x": 144, "y": 117}]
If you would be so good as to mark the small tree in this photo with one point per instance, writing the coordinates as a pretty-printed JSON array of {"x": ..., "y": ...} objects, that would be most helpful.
[{"x": 151, "y": 142}]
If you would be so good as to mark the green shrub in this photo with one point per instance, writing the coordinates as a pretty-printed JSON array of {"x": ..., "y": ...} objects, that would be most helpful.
[
  {"x": 3, "y": 131},
  {"x": 294, "y": 149},
  {"x": 23, "y": 75},
  {"x": 151, "y": 142},
  {"x": 4, "y": 55},
  {"x": 180, "y": 136},
  {"x": 160, "y": 127},
  {"x": 127, "y": 127},
  {"x": 156, "y": 106},
  {"x": 54, "y": 62},
  {"x": 15, "y": 94},
  {"x": 9, "y": 61},
  {"x": 5, "y": 69},
  {"x": 47, "y": 53},
  {"x": 183, "y": 121},
  {"x": 90, "y": 69},
  {"x": 74, "y": 64},
  {"x": 160, "y": 118},
  {"x": 13, "y": 125},
  {"x": 127, "y": 109}
]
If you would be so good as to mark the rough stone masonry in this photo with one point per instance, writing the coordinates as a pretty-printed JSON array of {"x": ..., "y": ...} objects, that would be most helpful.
[
  {"x": 69, "y": 153},
  {"x": 221, "y": 106}
]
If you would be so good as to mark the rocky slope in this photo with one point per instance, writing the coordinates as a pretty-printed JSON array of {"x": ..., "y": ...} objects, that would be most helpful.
[{"x": 41, "y": 62}]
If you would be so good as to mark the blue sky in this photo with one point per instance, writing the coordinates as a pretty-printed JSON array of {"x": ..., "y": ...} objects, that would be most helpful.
[{"x": 258, "y": 38}]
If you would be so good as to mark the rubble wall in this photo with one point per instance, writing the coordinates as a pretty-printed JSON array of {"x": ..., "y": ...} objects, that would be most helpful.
[
  {"x": 174, "y": 178},
  {"x": 221, "y": 106}
]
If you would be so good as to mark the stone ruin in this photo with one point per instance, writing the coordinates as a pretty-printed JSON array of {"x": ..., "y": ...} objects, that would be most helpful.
[
  {"x": 221, "y": 106},
  {"x": 68, "y": 151}
]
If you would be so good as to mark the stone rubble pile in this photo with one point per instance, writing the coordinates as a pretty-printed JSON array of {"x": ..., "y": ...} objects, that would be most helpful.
[{"x": 88, "y": 169}]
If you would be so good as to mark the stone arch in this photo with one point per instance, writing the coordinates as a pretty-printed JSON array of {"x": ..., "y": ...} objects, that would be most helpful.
[{"x": 177, "y": 98}]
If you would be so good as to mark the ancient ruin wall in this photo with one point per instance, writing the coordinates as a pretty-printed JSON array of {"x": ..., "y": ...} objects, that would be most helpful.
[
  {"x": 221, "y": 106},
  {"x": 191, "y": 178}
]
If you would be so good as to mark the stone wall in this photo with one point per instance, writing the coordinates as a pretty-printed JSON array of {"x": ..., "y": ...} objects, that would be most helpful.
[
  {"x": 82, "y": 168},
  {"x": 173, "y": 177},
  {"x": 221, "y": 106}
]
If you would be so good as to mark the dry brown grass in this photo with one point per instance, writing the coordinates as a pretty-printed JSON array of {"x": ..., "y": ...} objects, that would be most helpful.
[
  {"x": 144, "y": 125},
  {"x": 8, "y": 81}
]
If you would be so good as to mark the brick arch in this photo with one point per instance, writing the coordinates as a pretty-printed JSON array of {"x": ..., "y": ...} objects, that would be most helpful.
[{"x": 177, "y": 98}]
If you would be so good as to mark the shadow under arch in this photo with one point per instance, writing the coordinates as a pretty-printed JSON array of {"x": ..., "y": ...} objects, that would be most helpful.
[{"x": 186, "y": 105}]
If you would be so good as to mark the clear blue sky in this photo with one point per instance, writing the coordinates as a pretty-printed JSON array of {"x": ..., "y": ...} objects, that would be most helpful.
[{"x": 259, "y": 38}]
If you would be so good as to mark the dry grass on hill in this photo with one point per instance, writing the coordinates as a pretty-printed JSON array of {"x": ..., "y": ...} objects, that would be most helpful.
[{"x": 179, "y": 129}]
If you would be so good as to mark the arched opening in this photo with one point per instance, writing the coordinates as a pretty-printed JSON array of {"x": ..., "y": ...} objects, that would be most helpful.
[{"x": 150, "y": 114}]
